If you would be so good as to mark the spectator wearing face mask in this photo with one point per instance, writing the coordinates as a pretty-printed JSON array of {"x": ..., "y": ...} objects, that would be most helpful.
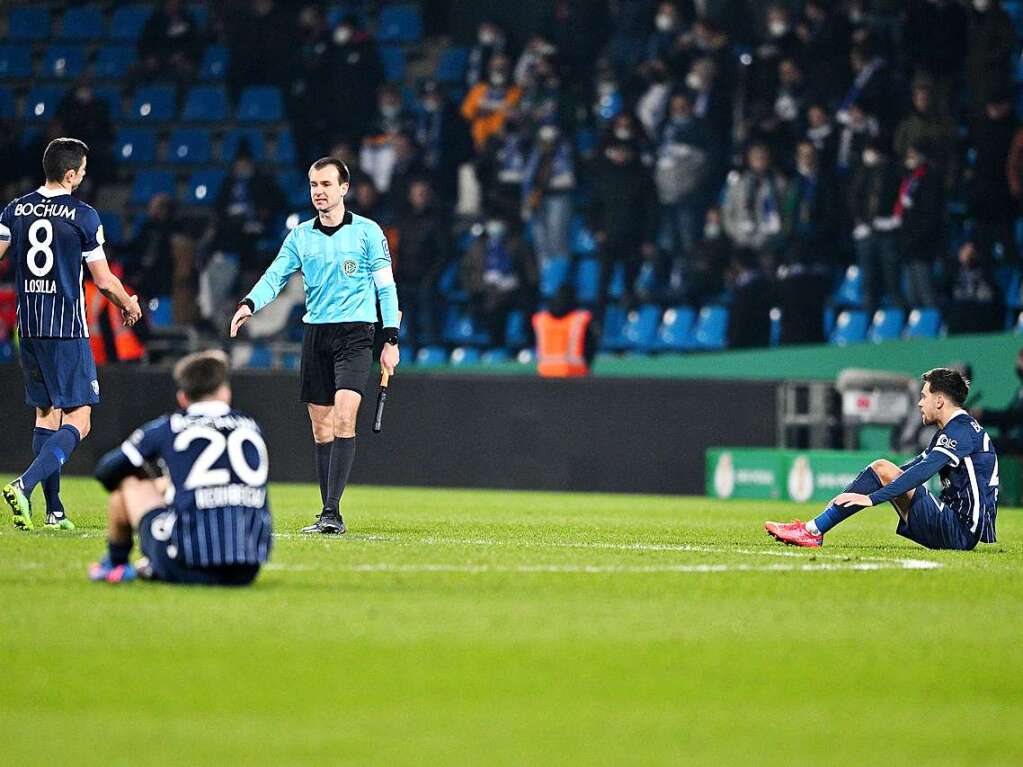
[
  {"x": 710, "y": 103},
  {"x": 487, "y": 103},
  {"x": 547, "y": 193},
  {"x": 357, "y": 75},
  {"x": 1008, "y": 420},
  {"x": 858, "y": 129},
  {"x": 501, "y": 166},
  {"x": 752, "y": 207},
  {"x": 919, "y": 211},
  {"x": 500, "y": 274},
  {"x": 777, "y": 40},
  {"x": 668, "y": 25},
  {"x": 682, "y": 174},
  {"x": 976, "y": 305},
  {"x": 872, "y": 194},
  {"x": 379, "y": 153},
  {"x": 443, "y": 137},
  {"x": 821, "y": 132},
  {"x": 490, "y": 42},
  {"x": 623, "y": 215},
  {"x": 928, "y": 125},
  {"x": 698, "y": 277}
]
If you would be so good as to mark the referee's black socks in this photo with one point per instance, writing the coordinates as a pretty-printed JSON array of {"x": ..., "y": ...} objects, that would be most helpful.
[
  {"x": 323, "y": 450},
  {"x": 342, "y": 456}
]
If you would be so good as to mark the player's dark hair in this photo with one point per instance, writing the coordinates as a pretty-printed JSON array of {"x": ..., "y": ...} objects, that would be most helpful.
[
  {"x": 951, "y": 383},
  {"x": 342, "y": 170},
  {"x": 62, "y": 155},
  {"x": 200, "y": 374}
]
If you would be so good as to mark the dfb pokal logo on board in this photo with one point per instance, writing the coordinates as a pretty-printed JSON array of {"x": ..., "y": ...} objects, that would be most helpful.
[
  {"x": 724, "y": 476},
  {"x": 350, "y": 267},
  {"x": 801, "y": 479}
]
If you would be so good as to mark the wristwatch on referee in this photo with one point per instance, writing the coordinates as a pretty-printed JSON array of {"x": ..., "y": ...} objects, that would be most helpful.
[{"x": 391, "y": 336}]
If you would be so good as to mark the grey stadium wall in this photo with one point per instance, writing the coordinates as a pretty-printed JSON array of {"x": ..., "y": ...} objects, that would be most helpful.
[{"x": 515, "y": 432}]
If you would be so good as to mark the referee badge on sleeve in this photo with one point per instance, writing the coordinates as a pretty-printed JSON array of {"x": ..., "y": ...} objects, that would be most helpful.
[{"x": 350, "y": 267}]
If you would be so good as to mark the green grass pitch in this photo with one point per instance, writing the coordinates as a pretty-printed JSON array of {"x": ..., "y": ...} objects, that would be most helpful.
[{"x": 460, "y": 627}]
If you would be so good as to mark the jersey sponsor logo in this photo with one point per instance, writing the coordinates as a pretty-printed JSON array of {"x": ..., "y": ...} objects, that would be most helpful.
[
  {"x": 945, "y": 441},
  {"x": 40, "y": 286},
  {"x": 350, "y": 267},
  {"x": 41, "y": 209}
]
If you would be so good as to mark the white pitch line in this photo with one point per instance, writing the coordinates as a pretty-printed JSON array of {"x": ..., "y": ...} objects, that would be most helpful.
[{"x": 388, "y": 567}]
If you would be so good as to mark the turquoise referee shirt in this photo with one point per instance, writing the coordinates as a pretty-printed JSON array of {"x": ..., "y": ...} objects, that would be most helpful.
[{"x": 344, "y": 273}]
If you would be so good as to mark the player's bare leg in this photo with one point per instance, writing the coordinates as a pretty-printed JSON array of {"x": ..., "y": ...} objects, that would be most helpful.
[{"x": 127, "y": 505}]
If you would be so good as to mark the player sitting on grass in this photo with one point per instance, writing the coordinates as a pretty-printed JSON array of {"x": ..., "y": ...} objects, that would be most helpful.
[
  {"x": 961, "y": 453},
  {"x": 216, "y": 530}
]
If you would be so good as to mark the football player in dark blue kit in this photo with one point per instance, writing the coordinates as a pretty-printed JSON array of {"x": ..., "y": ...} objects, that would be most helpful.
[
  {"x": 961, "y": 454},
  {"x": 207, "y": 521},
  {"x": 51, "y": 238}
]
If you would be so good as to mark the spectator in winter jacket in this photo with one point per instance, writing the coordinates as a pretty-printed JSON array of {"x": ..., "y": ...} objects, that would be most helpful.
[
  {"x": 990, "y": 45},
  {"x": 548, "y": 185},
  {"x": 920, "y": 212},
  {"x": 487, "y": 103},
  {"x": 422, "y": 250},
  {"x": 752, "y": 206},
  {"x": 927, "y": 124},
  {"x": 994, "y": 207},
  {"x": 873, "y": 192},
  {"x": 976, "y": 305}
]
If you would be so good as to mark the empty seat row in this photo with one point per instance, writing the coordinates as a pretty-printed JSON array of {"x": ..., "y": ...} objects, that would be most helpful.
[
  {"x": 111, "y": 62},
  {"x": 87, "y": 22},
  {"x": 853, "y": 325},
  {"x": 195, "y": 146}
]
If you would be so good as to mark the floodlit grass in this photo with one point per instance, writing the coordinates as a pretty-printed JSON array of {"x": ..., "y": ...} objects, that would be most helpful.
[{"x": 499, "y": 628}]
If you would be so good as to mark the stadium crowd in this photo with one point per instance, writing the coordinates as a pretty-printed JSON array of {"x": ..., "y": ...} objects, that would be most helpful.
[{"x": 690, "y": 153}]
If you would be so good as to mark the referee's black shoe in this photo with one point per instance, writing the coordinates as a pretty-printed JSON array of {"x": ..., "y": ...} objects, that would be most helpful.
[{"x": 328, "y": 522}]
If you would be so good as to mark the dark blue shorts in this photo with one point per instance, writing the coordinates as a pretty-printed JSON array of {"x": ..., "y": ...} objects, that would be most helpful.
[
  {"x": 934, "y": 525},
  {"x": 59, "y": 372},
  {"x": 154, "y": 540}
]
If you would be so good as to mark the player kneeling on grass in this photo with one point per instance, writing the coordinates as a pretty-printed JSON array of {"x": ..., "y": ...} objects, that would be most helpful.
[
  {"x": 208, "y": 521},
  {"x": 963, "y": 456}
]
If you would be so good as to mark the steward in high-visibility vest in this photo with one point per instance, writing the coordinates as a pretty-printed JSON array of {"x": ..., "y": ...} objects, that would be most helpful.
[
  {"x": 561, "y": 343},
  {"x": 119, "y": 344}
]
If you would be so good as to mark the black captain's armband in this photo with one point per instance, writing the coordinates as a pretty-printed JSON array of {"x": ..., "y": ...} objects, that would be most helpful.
[
  {"x": 391, "y": 336},
  {"x": 114, "y": 467}
]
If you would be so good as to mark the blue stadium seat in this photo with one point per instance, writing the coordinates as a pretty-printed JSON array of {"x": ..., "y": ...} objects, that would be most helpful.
[
  {"x": 431, "y": 356},
  {"x": 153, "y": 104},
  {"x": 284, "y": 149},
  {"x": 640, "y": 331},
  {"x": 465, "y": 355},
  {"x": 616, "y": 284},
  {"x": 28, "y": 23},
  {"x": 203, "y": 187},
  {"x": 82, "y": 23},
  {"x": 850, "y": 291},
  {"x": 887, "y": 325},
  {"x": 113, "y": 226},
  {"x": 612, "y": 339},
  {"x": 200, "y": 13},
  {"x": 923, "y": 323},
  {"x": 214, "y": 63},
  {"x": 399, "y": 24},
  {"x": 581, "y": 241},
  {"x": 676, "y": 331},
  {"x": 111, "y": 96},
  {"x": 460, "y": 329},
  {"x": 494, "y": 356},
  {"x": 711, "y": 331},
  {"x": 41, "y": 102},
  {"x": 260, "y": 103},
  {"x": 160, "y": 312},
  {"x": 452, "y": 65},
  {"x": 135, "y": 146},
  {"x": 149, "y": 183},
  {"x": 296, "y": 189},
  {"x": 114, "y": 61},
  {"x": 63, "y": 61},
  {"x": 127, "y": 22},
  {"x": 587, "y": 281},
  {"x": 449, "y": 283},
  {"x": 233, "y": 140},
  {"x": 553, "y": 275},
  {"x": 188, "y": 146},
  {"x": 393, "y": 60},
  {"x": 15, "y": 61},
  {"x": 205, "y": 103},
  {"x": 6, "y": 104},
  {"x": 1009, "y": 281},
  {"x": 516, "y": 330},
  {"x": 850, "y": 327}
]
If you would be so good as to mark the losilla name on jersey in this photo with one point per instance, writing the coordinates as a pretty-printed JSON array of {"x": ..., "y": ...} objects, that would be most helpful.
[{"x": 40, "y": 286}]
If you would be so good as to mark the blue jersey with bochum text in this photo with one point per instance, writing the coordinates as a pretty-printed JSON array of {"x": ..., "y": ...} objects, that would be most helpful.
[
  {"x": 52, "y": 234},
  {"x": 969, "y": 476},
  {"x": 217, "y": 462}
]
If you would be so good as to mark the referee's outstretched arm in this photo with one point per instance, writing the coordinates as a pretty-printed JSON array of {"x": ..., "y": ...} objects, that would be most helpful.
[{"x": 269, "y": 285}]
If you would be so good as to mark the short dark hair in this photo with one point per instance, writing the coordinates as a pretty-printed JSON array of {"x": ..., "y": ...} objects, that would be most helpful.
[
  {"x": 200, "y": 374},
  {"x": 62, "y": 155},
  {"x": 342, "y": 170},
  {"x": 949, "y": 382}
]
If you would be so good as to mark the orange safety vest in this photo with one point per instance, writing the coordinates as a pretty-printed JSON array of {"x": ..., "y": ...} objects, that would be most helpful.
[
  {"x": 125, "y": 343},
  {"x": 560, "y": 343}
]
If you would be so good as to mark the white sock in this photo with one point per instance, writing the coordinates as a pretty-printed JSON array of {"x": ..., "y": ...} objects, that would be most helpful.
[{"x": 811, "y": 528}]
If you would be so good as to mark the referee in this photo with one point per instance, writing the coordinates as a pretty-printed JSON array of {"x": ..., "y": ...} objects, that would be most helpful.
[{"x": 346, "y": 267}]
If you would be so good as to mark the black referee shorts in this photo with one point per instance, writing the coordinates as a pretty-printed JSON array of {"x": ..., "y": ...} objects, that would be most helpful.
[{"x": 335, "y": 355}]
